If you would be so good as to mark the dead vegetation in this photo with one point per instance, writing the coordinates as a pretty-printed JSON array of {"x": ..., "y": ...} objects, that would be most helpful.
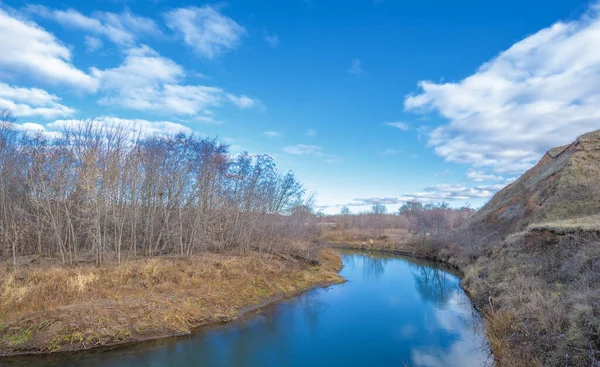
[
  {"x": 109, "y": 191},
  {"x": 537, "y": 289},
  {"x": 423, "y": 226},
  {"x": 109, "y": 235},
  {"x": 573, "y": 225},
  {"x": 547, "y": 285},
  {"x": 55, "y": 308}
]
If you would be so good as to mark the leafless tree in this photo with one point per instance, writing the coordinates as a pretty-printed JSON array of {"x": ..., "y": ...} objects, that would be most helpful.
[{"x": 108, "y": 191}]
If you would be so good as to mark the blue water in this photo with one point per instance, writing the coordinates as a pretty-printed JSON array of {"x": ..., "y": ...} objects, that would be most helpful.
[{"x": 392, "y": 311}]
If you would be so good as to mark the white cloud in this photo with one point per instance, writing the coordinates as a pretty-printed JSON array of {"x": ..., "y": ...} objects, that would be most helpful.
[
  {"x": 122, "y": 29},
  {"x": 355, "y": 68},
  {"x": 93, "y": 43},
  {"x": 453, "y": 192},
  {"x": 302, "y": 149},
  {"x": 208, "y": 32},
  {"x": 133, "y": 126},
  {"x": 273, "y": 40},
  {"x": 30, "y": 50},
  {"x": 481, "y": 176},
  {"x": 34, "y": 129},
  {"x": 433, "y": 194},
  {"x": 542, "y": 92},
  {"x": 242, "y": 101},
  {"x": 312, "y": 150},
  {"x": 146, "y": 81},
  {"x": 26, "y": 102},
  {"x": 272, "y": 134},
  {"x": 399, "y": 125}
]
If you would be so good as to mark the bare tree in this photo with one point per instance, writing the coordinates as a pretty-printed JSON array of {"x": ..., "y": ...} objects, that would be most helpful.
[
  {"x": 379, "y": 209},
  {"x": 111, "y": 192}
]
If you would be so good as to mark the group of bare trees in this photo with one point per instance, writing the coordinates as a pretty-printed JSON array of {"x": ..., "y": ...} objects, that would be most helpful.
[
  {"x": 429, "y": 224},
  {"x": 108, "y": 190},
  {"x": 432, "y": 223}
]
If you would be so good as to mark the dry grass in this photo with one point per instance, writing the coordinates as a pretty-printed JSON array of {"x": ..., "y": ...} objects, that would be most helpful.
[
  {"x": 499, "y": 327},
  {"x": 54, "y": 308},
  {"x": 543, "y": 288},
  {"x": 547, "y": 284},
  {"x": 582, "y": 224},
  {"x": 368, "y": 237}
]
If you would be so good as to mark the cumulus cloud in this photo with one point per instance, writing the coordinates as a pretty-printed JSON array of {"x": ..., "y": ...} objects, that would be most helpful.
[
  {"x": 146, "y": 81},
  {"x": 30, "y": 50},
  {"x": 481, "y": 176},
  {"x": 434, "y": 194},
  {"x": 27, "y": 102},
  {"x": 122, "y": 29},
  {"x": 208, "y": 32},
  {"x": 135, "y": 126},
  {"x": 355, "y": 68},
  {"x": 542, "y": 92}
]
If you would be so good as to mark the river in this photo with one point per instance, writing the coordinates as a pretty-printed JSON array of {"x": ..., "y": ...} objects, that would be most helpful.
[{"x": 392, "y": 311}]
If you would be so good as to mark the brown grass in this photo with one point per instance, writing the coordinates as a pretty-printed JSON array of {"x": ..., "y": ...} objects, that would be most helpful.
[
  {"x": 385, "y": 238},
  {"x": 543, "y": 288},
  {"x": 55, "y": 308},
  {"x": 499, "y": 327},
  {"x": 573, "y": 225}
]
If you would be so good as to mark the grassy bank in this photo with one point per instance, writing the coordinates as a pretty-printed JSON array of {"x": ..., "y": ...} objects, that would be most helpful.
[{"x": 50, "y": 308}]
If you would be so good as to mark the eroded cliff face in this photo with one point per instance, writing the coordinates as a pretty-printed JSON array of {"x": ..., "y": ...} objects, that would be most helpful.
[{"x": 564, "y": 184}]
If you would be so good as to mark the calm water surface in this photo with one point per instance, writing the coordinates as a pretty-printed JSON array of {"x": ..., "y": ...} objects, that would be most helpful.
[{"x": 393, "y": 311}]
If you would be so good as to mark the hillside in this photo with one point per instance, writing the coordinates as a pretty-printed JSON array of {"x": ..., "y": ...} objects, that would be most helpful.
[
  {"x": 564, "y": 185},
  {"x": 536, "y": 262},
  {"x": 530, "y": 257}
]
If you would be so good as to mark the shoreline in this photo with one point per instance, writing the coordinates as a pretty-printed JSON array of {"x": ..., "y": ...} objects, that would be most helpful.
[
  {"x": 117, "y": 345},
  {"x": 459, "y": 272},
  {"x": 323, "y": 270}
]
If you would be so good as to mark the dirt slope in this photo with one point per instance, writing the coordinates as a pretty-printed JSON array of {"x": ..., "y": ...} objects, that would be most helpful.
[{"x": 564, "y": 184}]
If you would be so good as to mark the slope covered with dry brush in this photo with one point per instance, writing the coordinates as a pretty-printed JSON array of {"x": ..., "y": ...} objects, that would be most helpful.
[{"x": 537, "y": 261}]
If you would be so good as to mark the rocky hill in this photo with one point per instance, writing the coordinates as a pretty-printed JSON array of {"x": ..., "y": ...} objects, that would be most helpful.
[{"x": 564, "y": 185}]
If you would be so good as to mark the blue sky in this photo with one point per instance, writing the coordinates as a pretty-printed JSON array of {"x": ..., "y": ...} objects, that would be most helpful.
[{"x": 366, "y": 101}]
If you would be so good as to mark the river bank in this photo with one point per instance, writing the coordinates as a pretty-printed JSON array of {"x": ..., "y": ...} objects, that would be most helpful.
[
  {"x": 392, "y": 310},
  {"x": 535, "y": 291},
  {"x": 46, "y": 309}
]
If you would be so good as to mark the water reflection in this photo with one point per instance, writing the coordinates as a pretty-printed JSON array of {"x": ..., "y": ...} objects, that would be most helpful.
[
  {"x": 434, "y": 285},
  {"x": 392, "y": 311},
  {"x": 372, "y": 265}
]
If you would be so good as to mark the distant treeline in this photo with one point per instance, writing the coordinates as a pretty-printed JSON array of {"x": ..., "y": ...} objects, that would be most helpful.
[
  {"x": 412, "y": 215},
  {"x": 429, "y": 225},
  {"x": 107, "y": 190}
]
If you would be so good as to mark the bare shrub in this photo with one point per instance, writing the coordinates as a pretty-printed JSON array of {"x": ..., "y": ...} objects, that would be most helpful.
[{"x": 109, "y": 191}]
